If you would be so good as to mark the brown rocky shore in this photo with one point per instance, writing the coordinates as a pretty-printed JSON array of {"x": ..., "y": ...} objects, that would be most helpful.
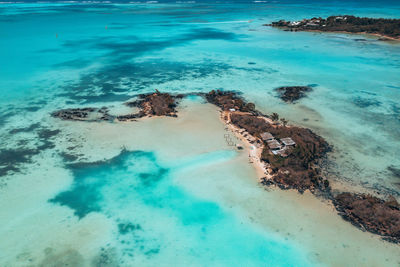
[
  {"x": 294, "y": 165},
  {"x": 371, "y": 213},
  {"x": 386, "y": 28},
  {"x": 154, "y": 104}
]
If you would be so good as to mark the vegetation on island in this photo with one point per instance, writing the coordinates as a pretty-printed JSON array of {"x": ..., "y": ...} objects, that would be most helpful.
[
  {"x": 299, "y": 168},
  {"x": 347, "y": 23}
]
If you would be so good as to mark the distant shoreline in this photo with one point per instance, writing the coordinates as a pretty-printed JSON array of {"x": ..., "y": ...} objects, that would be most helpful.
[{"x": 385, "y": 29}]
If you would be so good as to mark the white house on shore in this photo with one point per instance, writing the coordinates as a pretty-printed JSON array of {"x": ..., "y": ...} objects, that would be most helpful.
[
  {"x": 288, "y": 141},
  {"x": 266, "y": 136},
  {"x": 274, "y": 144}
]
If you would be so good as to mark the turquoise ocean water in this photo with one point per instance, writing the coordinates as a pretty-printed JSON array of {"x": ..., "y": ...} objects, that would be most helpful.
[{"x": 59, "y": 55}]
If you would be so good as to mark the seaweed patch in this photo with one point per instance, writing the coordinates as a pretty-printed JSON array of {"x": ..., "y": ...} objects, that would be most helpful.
[{"x": 366, "y": 102}]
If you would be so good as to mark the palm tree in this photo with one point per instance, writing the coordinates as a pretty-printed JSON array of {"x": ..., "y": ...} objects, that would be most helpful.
[{"x": 275, "y": 116}]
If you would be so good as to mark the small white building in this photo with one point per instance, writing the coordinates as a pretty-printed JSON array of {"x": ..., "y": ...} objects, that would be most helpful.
[
  {"x": 288, "y": 141},
  {"x": 311, "y": 24},
  {"x": 266, "y": 136},
  {"x": 274, "y": 144}
]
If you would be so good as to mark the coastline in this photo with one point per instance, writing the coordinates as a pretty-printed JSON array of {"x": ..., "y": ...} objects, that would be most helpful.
[
  {"x": 253, "y": 151},
  {"x": 385, "y": 38},
  {"x": 261, "y": 167}
]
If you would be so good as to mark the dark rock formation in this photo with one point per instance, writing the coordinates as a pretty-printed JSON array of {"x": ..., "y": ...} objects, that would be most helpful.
[
  {"x": 83, "y": 114},
  {"x": 292, "y": 93},
  {"x": 371, "y": 213},
  {"x": 229, "y": 100},
  {"x": 154, "y": 104},
  {"x": 351, "y": 24}
]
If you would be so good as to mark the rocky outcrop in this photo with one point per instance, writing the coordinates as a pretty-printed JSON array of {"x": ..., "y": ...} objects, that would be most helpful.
[
  {"x": 154, "y": 104},
  {"x": 229, "y": 100},
  {"x": 371, "y": 213},
  {"x": 292, "y": 93}
]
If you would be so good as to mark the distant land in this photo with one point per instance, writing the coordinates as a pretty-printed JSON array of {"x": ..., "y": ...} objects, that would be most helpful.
[{"x": 386, "y": 28}]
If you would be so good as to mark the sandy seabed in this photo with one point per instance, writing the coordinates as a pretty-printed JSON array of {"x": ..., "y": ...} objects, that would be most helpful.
[{"x": 36, "y": 232}]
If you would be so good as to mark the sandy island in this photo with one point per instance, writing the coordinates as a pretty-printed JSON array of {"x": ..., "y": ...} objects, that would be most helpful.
[{"x": 285, "y": 156}]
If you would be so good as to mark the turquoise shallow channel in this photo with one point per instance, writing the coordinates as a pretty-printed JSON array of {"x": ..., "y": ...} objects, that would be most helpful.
[
  {"x": 132, "y": 189},
  {"x": 170, "y": 191}
]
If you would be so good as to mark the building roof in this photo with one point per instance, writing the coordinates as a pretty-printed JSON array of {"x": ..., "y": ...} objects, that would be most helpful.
[
  {"x": 288, "y": 141},
  {"x": 274, "y": 144},
  {"x": 266, "y": 136}
]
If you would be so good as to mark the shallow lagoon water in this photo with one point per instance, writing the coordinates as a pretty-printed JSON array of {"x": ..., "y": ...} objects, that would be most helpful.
[
  {"x": 94, "y": 55},
  {"x": 159, "y": 222},
  {"x": 131, "y": 208},
  {"x": 167, "y": 191}
]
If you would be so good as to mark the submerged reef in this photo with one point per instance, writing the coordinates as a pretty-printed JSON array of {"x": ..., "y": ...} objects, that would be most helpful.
[
  {"x": 83, "y": 114},
  {"x": 297, "y": 166},
  {"x": 292, "y": 93},
  {"x": 347, "y": 23},
  {"x": 12, "y": 160}
]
